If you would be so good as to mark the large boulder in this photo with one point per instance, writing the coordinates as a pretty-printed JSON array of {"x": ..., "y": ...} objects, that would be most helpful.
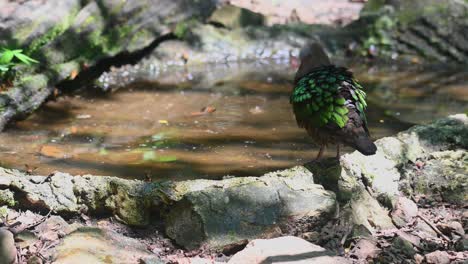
[
  {"x": 432, "y": 29},
  {"x": 231, "y": 16},
  {"x": 426, "y": 159},
  {"x": 68, "y": 36},
  {"x": 7, "y": 247},
  {"x": 218, "y": 213},
  {"x": 131, "y": 201}
]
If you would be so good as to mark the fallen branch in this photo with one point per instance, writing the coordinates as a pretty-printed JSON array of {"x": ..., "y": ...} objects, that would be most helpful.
[{"x": 434, "y": 227}]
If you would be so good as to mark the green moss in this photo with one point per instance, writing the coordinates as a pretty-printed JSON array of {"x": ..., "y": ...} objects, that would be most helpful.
[
  {"x": 379, "y": 34},
  {"x": 34, "y": 82},
  {"x": 373, "y": 5},
  {"x": 23, "y": 33},
  {"x": 182, "y": 28},
  {"x": 52, "y": 34},
  {"x": 115, "y": 10},
  {"x": 62, "y": 71},
  {"x": 7, "y": 198}
]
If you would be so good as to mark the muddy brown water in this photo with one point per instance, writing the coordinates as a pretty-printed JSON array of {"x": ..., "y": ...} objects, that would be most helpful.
[{"x": 159, "y": 129}]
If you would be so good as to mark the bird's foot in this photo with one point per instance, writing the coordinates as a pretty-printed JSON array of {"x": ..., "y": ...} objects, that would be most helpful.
[{"x": 338, "y": 152}]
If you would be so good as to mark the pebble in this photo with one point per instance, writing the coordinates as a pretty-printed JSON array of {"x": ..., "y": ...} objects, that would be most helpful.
[
  {"x": 7, "y": 247},
  {"x": 438, "y": 257}
]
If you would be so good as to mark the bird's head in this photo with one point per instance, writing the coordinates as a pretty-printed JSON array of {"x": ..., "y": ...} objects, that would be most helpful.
[{"x": 312, "y": 55}]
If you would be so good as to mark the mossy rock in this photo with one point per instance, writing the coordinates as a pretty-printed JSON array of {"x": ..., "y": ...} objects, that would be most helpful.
[{"x": 231, "y": 16}]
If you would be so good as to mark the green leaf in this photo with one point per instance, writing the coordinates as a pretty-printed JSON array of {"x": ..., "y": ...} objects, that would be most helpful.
[
  {"x": 25, "y": 59},
  {"x": 6, "y": 57},
  {"x": 4, "y": 68}
]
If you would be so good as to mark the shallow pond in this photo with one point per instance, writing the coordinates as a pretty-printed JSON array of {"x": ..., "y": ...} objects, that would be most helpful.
[{"x": 210, "y": 122}]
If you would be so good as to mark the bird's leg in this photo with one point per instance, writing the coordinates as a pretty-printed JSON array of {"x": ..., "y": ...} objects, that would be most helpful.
[
  {"x": 337, "y": 151},
  {"x": 319, "y": 155}
]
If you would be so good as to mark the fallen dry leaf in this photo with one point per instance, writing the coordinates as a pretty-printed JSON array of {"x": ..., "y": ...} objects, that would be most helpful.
[
  {"x": 52, "y": 152},
  {"x": 205, "y": 110},
  {"x": 73, "y": 74}
]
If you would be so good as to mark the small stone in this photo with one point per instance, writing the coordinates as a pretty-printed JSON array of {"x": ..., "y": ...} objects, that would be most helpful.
[
  {"x": 284, "y": 250},
  {"x": 457, "y": 227},
  {"x": 404, "y": 246},
  {"x": 438, "y": 257},
  {"x": 424, "y": 230},
  {"x": 452, "y": 229},
  {"x": 414, "y": 240},
  {"x": 311, "y": 236},
  {"x": 7, "y": 247},
  {"x": 26, "y": 238},
  {"x": 462, "y": 244},
  {"x": 404, "y": 211},
  {"x": 365, "y": 249},
  {"x": 35, "y": 260},
  {"x": 418, "y": 259},
  {"x": 94, "y": 245}
]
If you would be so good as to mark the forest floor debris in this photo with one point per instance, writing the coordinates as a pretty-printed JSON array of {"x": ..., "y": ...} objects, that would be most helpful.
[{"x": 436, "y": 234}]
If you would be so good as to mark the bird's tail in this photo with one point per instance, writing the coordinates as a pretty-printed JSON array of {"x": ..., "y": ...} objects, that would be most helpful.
[{"x": 364, "y": 145}]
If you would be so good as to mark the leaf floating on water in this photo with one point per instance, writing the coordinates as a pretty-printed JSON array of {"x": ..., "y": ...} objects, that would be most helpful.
[
  {"x": 163, "y": 122},
  {"x": 152, "y": 156},
  {"x": 208, "y": 109},
  {"x": 52, "y": 152},
  {"x": 167, "y": 158},
  {"x": 149, "y": 155},
  {"x": 103, "y": 152},
  {"x": 205, "y": 110}
]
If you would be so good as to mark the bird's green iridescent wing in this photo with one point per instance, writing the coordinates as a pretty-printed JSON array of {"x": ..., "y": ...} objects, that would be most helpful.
[
  {"x": 359, "y": 99},
  {"x": 318, "y": 98}
]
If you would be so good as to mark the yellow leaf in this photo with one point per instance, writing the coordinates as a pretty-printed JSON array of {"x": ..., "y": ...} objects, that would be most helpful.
[
  {"x": 163, "y": 122},
  {"x": 73, "y": 74},
  {"x": 52, "y": 152}
]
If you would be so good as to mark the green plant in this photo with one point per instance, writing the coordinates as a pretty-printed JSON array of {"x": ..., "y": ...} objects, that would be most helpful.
[{"x": 9, "y": 59}]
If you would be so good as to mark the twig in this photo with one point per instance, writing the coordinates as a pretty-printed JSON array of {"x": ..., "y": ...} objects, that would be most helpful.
[
  {"x": 47, "y": 178},
  {"x": 434, "y": 227},
  {"x": 343, "y": 239}
]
